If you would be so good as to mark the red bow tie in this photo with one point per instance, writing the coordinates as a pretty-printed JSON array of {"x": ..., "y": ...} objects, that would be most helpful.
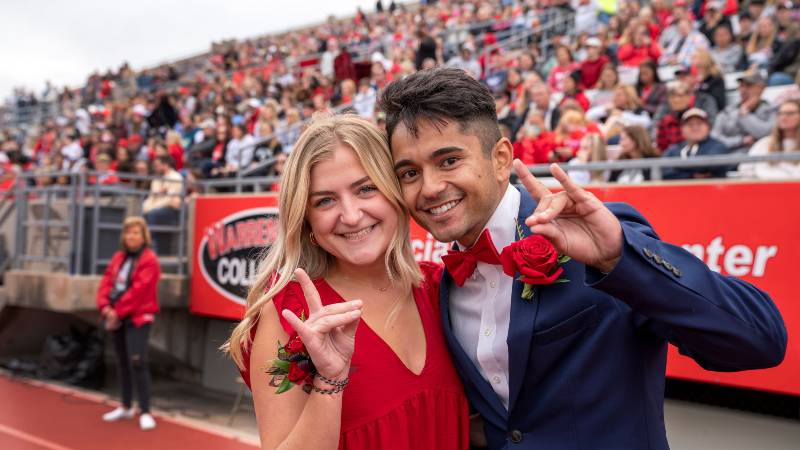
[{"x": 461, "y": 264}]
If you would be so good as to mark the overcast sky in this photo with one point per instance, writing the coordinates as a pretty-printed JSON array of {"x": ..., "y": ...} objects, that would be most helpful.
[{"x": 64, "y": 41}]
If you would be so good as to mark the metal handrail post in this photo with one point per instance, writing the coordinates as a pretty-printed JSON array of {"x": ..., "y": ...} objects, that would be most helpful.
[
  {"x": 46, "y": 224},
  {"x": 78, "y": 237},
  {"x": 95, "y": 234},
  {"x": 19, "y": 233},
  {"x": 182, "y": 225},
  {"x": 71, "y": 228}
]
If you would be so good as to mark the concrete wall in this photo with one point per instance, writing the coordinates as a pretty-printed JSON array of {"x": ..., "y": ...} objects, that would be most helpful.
[{"x": 70, "y": 293}]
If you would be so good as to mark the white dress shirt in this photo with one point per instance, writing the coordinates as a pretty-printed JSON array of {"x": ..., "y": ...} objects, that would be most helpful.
[{"x": 480, "y": 310}]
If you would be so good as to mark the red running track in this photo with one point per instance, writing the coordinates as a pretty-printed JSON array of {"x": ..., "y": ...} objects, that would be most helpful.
[{"x": 38, "y": 416}]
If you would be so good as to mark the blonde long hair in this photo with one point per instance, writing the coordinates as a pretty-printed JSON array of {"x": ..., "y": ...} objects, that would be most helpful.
[{"x": 293, "y": 247}]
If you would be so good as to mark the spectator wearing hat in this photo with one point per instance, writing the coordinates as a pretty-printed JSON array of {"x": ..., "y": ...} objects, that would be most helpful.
[
  {"x": 728, "y": 54},
  {"x": 593, "y": 65},
  {"x": 636, "y": 46},
  {"x": 740, "y": 126},
  {"x": 697, "y": 141},
  {"x": 652, "y": 92},
  {"x": 680, "y": 98}
]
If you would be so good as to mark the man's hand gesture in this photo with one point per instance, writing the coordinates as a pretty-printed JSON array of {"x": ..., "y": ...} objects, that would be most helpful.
[{"x": 576, "y": 222}]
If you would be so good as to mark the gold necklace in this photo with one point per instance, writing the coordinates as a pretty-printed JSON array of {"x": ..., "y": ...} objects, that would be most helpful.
[{"x": 379, "y": 289}]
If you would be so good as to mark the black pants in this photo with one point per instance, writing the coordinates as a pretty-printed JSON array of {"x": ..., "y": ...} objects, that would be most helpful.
[{"x": 130, "y": 343}]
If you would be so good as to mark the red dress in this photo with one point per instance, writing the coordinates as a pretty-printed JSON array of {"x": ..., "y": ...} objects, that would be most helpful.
[{"x": 386, "y": 406}]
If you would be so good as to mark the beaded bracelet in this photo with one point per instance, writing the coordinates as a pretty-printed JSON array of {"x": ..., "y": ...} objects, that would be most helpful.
[{"x": 338, "y": 385}]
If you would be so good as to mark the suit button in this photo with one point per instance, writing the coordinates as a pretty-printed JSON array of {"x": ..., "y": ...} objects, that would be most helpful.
[
  {"x": 676, "y": 271},
  {"x": 516, "y": 436},
  {"x": 658, "y": 259},
  {"x": 648, "y": 252},
  {"x": 668, "y": 266}
]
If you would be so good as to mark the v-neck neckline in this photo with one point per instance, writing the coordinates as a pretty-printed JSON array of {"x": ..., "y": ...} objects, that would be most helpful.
[{"x": 340, "y": 299}]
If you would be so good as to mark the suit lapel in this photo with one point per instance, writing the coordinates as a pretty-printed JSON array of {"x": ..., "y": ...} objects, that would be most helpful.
[
  {"x": 523, "y": 315},
  {"x": 466, "y": 368}
]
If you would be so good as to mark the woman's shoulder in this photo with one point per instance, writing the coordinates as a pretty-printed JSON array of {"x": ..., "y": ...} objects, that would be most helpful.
[
  {"x": 431, "y": 276},
  {"x": 148, "y": 255},
  {"x": 430, "y": 270},
  {"x": 761, "y": 146}
]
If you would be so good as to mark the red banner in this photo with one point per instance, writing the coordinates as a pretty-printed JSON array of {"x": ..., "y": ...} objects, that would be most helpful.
[
  {"x": 230, "y": 235},
  {"x": 739, "y": 229}
]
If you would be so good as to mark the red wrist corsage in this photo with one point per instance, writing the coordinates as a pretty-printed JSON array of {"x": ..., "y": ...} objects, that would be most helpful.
[{"x": 293, "y": 366}]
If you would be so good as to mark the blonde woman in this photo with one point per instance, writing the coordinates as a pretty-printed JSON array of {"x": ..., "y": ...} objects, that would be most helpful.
[
  {"x": 127, "y": 301},
  {"x": 785, "y": 138},
  {"x": 625, "y": 109},
  {"x": 593, "y": 149},
  {"x": 709, "y": 77},
  {"x": 383, "y": 375},
  {"x": 764, "y": 43}
]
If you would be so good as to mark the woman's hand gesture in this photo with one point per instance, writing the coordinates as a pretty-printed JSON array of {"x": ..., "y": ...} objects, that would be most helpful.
[{"x": 329, "y": 331}]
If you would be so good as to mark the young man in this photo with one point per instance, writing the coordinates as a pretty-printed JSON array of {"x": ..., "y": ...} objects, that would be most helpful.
[{"x": 574, "y": 362}]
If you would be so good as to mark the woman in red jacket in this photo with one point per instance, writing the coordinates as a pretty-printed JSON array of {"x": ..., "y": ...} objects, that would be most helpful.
[{"x": 127, "y": 301}]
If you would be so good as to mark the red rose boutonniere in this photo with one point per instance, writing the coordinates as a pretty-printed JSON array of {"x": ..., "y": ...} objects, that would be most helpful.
[
  {"x": 535, "y": 259},
  {"x": 293, "y": 366}
]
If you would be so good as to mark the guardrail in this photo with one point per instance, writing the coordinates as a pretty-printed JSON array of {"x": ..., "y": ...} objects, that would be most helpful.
[
  {"x": 75, "y": 227},
  {"x": 656, "y": 164}
]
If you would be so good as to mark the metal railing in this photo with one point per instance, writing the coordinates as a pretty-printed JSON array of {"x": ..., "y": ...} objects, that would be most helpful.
[
  {"x": 552, "y": 22},
  {"x": 75, "y": 225},
  {"x": 655, "y": 165}
]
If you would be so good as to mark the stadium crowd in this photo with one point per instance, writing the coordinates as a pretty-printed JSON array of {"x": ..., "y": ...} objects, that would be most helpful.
[{"x": 624, "y": 80}]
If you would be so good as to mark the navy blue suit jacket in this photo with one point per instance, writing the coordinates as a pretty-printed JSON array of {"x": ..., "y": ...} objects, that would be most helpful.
[{"x": 587, "y": 358}]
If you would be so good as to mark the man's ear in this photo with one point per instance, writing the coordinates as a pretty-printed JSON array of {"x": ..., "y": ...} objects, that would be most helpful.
[{"x": 502, "y": 159}]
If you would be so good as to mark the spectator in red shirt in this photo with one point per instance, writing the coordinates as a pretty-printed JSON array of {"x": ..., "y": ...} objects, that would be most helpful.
[
  {"x": 106, "y": 175},
  {"x": 637, "y": 46},
  {"x": 175, "y": 149},
  {"x": 572, "y": 90},
  {"x": 564, "y": 143},
  {"x": 565, "y": 65},
  {"x": 593, "y": 65}
]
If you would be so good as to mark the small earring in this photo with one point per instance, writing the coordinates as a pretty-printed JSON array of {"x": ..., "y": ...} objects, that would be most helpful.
[{"x": 311, "y": 236}]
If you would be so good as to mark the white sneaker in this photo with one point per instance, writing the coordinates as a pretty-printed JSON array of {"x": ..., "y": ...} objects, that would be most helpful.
[
  {"x": 119, "y": 413},
  {"x": 146, "y": 422}
]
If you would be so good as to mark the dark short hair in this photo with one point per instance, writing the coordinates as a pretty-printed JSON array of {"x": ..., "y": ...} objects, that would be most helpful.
[
  {"x": 439, "y": 96},
  {"x": 167, "y": 160}
]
